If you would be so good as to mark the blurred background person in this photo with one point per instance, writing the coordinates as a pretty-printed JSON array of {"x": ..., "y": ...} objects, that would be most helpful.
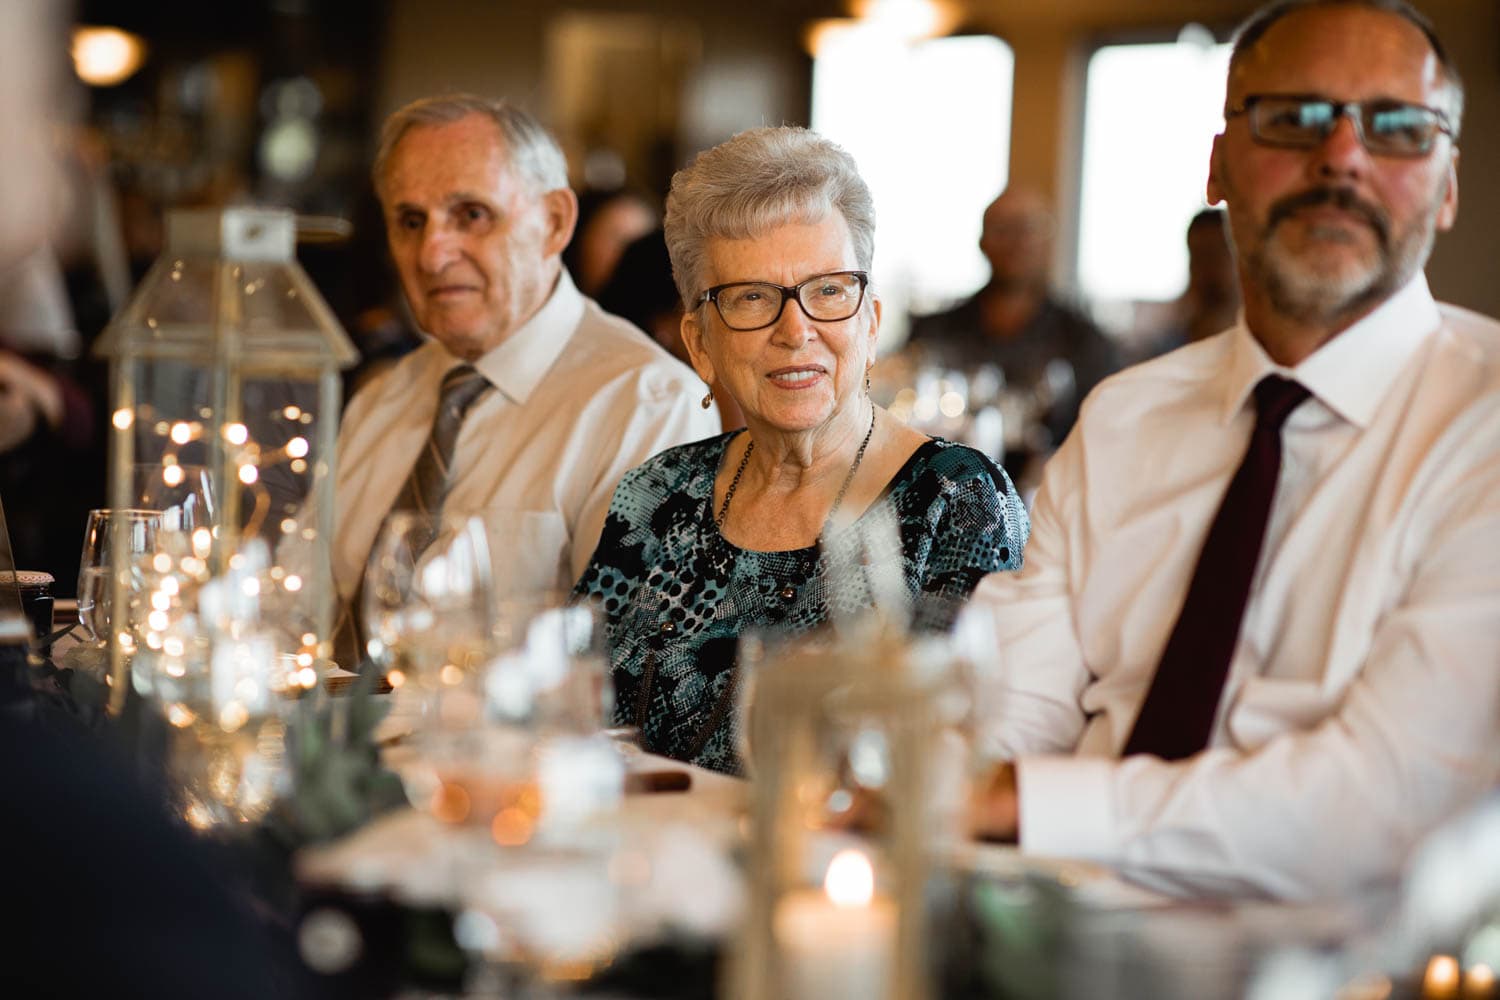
[
  {"x": 1015, "y": 321},
  {"x": 1211, "y": 302},
  {"x": 771, "y": 237},
  {"x": 608, "y": 220},
  {"x": 641, "y": 290},
  {"x": 52, "y": 455}
]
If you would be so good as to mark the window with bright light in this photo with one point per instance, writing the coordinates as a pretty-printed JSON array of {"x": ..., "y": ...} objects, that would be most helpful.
[
  {"x": 928, "y": 123},
  {"x": 1150, "y": 117}
]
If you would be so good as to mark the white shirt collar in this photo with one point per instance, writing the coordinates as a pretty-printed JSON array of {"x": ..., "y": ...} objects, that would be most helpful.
[
  {"x": 1350, "y": 373},
  {"x": 516, "y": 367}
]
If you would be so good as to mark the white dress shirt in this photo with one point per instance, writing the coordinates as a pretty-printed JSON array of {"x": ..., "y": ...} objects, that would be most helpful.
[
  {"x": 581, "y": 397},
  {"x": 1362, "y": 704}
]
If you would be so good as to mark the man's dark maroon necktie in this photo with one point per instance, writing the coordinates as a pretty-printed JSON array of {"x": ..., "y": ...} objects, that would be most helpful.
[{"x": 1177, "y": 716}]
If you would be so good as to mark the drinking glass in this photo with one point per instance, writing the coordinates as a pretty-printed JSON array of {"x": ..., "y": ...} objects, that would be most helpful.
[
  {"x": 127, "y": 535},
  {"x": 427, "y": 599},
  {"x": 551, "y": 668},
  {"x": 427, "y": 611}
]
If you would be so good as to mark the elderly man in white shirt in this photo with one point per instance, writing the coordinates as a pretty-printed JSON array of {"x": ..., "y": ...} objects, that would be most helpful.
[
  {"x": 1291, "y": 720},
  {"x": 478, "y": 210}
]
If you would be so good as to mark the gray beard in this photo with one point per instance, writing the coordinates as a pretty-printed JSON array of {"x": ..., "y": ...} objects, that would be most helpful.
[{"x": 1303, "y": 294}]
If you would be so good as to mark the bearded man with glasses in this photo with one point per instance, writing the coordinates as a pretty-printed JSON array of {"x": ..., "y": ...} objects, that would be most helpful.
[
  {"x": 1255, "y": 649},
  {"x": 771, "y": 236}
]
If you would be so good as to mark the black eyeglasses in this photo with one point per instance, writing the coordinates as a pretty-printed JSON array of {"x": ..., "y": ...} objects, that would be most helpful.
[
  {"x": 754, "y": 305},
  {"x": 1303, "y": 121}
]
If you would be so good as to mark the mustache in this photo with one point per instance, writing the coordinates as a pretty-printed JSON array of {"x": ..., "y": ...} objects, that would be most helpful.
[{"x": 1340, "y": 198}]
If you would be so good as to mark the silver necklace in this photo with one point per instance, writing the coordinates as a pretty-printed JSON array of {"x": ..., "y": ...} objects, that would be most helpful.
[{"x": 838, "y": 500}]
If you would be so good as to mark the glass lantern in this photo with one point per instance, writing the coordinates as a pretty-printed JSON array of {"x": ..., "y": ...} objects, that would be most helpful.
[
  {"x": 842, "y": 735},
  {"x": 225, "y": 387}
]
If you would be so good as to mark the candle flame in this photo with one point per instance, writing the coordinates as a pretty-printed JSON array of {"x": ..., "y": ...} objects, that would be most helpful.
[{"x": 850, "y": 880}]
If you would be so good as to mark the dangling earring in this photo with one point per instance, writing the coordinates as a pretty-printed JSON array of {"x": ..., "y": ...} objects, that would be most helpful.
[
  {"x": 708, "y": 400},
  {"x": 867, "y": 381}
]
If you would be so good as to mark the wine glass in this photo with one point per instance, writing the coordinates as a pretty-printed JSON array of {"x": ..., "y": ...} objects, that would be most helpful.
[
  {"x": 114, "y": 541},
  {"x": 551, "y": 668},
  {"x": 427, "y": 598},
  {"x": 427, "y": 610}
]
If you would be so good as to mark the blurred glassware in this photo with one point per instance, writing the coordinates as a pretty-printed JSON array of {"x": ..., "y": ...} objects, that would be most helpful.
[
  {"x": 1057, "y": 386},
  {"x": 427, "y": 599},
  {"x": 183, "y": 493},
  {"x": 845, "y": 730},
  {"x": 551, "y": 668},
  {"x": 115, "y": 541},
  {"x": 215, "y": 692}
]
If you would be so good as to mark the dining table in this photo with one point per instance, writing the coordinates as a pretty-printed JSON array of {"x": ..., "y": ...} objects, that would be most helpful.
[
  {"x": 646, "y": 897},
  {"x": 1002, "y": 923}
]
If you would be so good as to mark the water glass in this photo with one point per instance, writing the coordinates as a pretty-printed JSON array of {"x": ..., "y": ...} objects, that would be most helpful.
[
  {"x": 114, "y": 542},
  {"x": 427, "y": 598},
  {"x": 551, "y": 668}
]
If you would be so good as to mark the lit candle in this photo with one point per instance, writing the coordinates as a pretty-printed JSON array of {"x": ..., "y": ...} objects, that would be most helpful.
[{"x": 838, "y": 942}]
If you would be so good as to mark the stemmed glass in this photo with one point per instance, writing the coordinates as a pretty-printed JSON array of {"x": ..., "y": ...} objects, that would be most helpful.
[
  {"x": 427, "y": 599},
  {"x": 127, "y": 534},
  {"x": 427, "y": 611},
  {"x": 551, "y": 668}
]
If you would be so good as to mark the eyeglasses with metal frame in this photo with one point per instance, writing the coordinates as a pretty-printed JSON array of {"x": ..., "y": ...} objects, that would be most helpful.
[
  {"x": 1384, "y": 126},
  {"x": 755, "y": 305}
]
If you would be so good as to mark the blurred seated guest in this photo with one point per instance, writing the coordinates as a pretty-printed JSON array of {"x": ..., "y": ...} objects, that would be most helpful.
[
  {"x": 529, "y": 402},
  {"x": 1211, "y": 302},
  {"x": 1016, "y": 322},
  {"x": 1254, "y": 649},
  {"x": 642, "y": 291},
  {"x": 51, "y": 452},
  {"x": 608, "y": 219},
  {"x": 31, "y": 400},
  {"x": 36, "y": 316},
  {"x": 771, "y": 237}
]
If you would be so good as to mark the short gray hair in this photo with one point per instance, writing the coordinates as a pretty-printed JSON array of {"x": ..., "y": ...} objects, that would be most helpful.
[
  {"x": 754, "y": 182},
  {"x": 531, "y": 150}
]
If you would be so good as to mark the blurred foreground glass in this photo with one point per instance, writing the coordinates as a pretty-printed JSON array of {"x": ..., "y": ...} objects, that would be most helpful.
[
  {"x": 551, "y": 665},
  {"x": 427, "y": 599},
  {"x": 845, "y": 726},
  {"x": 208, "y": 658}
]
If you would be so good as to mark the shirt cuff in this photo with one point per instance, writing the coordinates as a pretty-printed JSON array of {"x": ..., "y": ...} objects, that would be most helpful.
[{"x": 1067, "y": 807}]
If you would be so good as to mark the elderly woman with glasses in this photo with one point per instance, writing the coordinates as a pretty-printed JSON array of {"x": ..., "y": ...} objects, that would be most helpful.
[{"x": 771, "y": 236}]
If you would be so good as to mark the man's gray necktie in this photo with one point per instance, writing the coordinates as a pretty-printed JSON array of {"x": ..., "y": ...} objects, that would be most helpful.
[
  {"x": 427, "y": 484},
  {"x": 425, "y": 488}
]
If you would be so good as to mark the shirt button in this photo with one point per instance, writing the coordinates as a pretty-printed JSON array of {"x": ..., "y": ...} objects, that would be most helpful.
[
  {"x": 788, "y": 593},
  {"x": 668, "y": 627}
]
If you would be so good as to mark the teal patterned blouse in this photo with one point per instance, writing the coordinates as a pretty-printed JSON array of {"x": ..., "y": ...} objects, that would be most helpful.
[{"x": 677, "y": 596}]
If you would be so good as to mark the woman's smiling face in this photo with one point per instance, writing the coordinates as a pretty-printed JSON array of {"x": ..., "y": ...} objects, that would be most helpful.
[{"x": 798, "y": 373}]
